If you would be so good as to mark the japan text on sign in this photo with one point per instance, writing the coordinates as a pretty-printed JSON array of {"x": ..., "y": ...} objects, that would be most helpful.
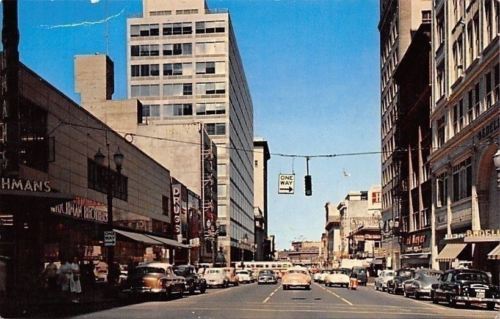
[
  {"x": 286, "y": 184},
  {"x": 109, "y": 238}
]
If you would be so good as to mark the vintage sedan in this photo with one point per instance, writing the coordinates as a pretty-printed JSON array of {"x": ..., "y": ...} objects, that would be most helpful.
[
  {"x": 322, "y": 275},
  {"x": 420, "y": 285},
  {"x": 155, "y": 278},
  {"x": 383, "y": 278},
  {"x": 244, "y": 276},
  {"x": 231, "y": 275},
  {"x": 194, "y": 281},
  {"x": 296, "y": 277},
  {"x": 465, "y": 285},
  {"x": 337, "y": 277},
  {"x": 267, "y": 276},
  {"x": 395, "y": 285},
  {"x": 216, "y": 277}
]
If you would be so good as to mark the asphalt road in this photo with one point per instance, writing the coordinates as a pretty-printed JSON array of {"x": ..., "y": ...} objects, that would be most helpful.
[{"x": 272, "y": 302}]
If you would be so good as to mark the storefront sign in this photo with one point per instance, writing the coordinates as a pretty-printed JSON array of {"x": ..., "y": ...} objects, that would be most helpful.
[
  {"x": 109, "y": 238},
  {"x": 84, "y": 209},
  {"x": 454, "y": 236},
  {"x": 482, "y": 235},
  {"x": 177, "y": 199},
  {"x": 16, "y": 184},
  {"x": 489, "y": 129},
  {"x": 418, "y": 242}
]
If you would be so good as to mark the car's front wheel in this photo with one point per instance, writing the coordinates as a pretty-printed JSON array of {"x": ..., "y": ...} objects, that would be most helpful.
[
  {"x": 451, "y": 301},
  {"x": 203, "y": 289},
  {"x": 490, "y": 306}
]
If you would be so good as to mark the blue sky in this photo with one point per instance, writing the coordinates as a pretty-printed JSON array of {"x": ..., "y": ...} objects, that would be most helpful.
[{"x": 313, "y": 71}]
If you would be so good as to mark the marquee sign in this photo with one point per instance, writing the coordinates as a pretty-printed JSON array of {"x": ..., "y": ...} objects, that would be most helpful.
[
  {"x": 17, "y": 184},
  {"x": 83, "y": 209}
]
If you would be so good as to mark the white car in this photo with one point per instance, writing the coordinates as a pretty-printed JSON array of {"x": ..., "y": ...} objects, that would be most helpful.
[
  {"x": 322, "y": 275},
  {"x": 383, "y": 278},
  {"x": 337, "y": 277},
  {"x": 216, "y": 277},
  {"x": 316, "y": 276},
  {"x": 244, "y": 276}
]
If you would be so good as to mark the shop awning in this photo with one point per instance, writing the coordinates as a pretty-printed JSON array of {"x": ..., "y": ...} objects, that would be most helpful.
[
  {"x": 450, "y": 252},
  {"x": 138, "y": 237},
  {"x": 169, "y": 242},
  {"x": 415, "y": 256},
  {"x": 495, "y": 253}
]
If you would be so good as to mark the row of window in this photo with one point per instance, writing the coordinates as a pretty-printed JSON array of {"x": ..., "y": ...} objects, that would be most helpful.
[
  {"x": 184, "y": 109},
  {"x": 178, "y": 89},
  {"x": 178, "y": 49},
  {"x": 460, "y": 180},
  {"x": 170, "y": 69},
  {"x": 204, "y": 27},
  {"x": 480, "y": 97}
]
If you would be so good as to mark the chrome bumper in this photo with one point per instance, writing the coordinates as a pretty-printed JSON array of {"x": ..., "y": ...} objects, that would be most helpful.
[{"x": 475, "y": 299}]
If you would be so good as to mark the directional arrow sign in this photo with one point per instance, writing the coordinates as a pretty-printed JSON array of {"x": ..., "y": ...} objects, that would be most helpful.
[{"x": 286, "y": 184}]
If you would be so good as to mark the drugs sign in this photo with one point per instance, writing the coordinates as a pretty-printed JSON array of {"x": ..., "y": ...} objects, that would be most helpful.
[{"x": 286, "y": 184}]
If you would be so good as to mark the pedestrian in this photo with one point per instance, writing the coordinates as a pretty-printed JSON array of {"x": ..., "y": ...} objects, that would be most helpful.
[
  {"x": 75, "y": 284},
  {"x": 64, "y": 275},
  {"x": 50, "y": 275}
]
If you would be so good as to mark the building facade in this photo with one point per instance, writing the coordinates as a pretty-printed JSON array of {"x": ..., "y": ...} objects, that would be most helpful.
[
  {"x": 184, "y": 64},
  {"x": 333, "y": 239},
  {"x": 414, "y": 81},
  {"x": 261, "y": 156},
  {"x": 398, "y": 19},
  {"x": 465, "y": 134}
]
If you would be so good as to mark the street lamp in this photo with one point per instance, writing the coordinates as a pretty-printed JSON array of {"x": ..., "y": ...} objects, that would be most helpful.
[
  {"x": 118, "y": 158},
  {"x": 496, "y": 161}
]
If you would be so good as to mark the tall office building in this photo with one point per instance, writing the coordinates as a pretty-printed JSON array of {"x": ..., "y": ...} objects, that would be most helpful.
[
  {"x": 184, "y": 65},
  {"x": 398, "y": 19},
  {"x": 261, "y": 157}
]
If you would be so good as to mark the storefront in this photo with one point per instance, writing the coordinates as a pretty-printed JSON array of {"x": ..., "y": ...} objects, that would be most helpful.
[{"x": 417, "y": 249}]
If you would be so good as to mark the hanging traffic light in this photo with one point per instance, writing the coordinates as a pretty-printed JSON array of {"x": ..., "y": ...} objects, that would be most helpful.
[{"x": 308, "y": 185}]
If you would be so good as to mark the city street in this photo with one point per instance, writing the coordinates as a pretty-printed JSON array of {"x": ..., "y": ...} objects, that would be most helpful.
[{"x": 254, "y": 301}]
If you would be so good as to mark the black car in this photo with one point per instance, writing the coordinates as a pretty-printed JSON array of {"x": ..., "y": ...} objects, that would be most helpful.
[
  {"x": 193, "y": 280},
  {"x": 395, "y": 285},
  {"x": 361, "y": 274},
  {"x": 465, "y": 285},
  {"x": 266, "y": 277}
]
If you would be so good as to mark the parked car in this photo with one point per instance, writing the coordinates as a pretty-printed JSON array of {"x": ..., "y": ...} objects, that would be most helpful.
[
  {"x": 216, "y": 277},
  {"x": 361, "y": 273},
  {"x": 296, "y": 277},
  {"x": 155, "y": 278},
  {"x": 244, "y": 276},
  {"x": 420, "y": 285},
  {"x": 383, "y": 278},
  {"x": 337, "y": 277},
  {"x": 395, "y": 285},
  {"x": 465, "y": 285},
  {"x": 232, "y": 276},
  {"x": 193, "y": 280},
  {"x": 267, "y": 276},
  {"x": 316, "y": 276},
  {"x": 322, "y": 275}
]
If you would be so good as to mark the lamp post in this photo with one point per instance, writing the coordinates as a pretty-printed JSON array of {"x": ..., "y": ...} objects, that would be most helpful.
[
  {"x": 243, "y": 241},
  {"x": 496, "y": 161},
  {"x": 118, "y": 158}
]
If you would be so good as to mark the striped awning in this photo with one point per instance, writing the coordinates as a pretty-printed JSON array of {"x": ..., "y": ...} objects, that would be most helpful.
[
  {"x": 138, "y": 237},
  {"x": 450, "y": 252},
  {"x": 495, "y": 253}
]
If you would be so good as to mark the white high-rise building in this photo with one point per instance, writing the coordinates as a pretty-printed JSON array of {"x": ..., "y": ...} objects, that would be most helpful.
[{"x": 184, "y": 65}]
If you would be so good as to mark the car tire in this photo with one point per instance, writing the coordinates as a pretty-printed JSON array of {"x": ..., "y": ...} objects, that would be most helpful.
[
  {"x": 308, "y": 287},
  {"x": 285, "y": 287},
  {"x": 451, "y": 302},
  {"x": 168, "y": 294},
  {"x": 434, "y": 298},
  {"x": 405, "y": 294},
  {"x": 203, "y": 290},
  {"x": 490, "y": 306},
  {"x": 417, "y": 296}
]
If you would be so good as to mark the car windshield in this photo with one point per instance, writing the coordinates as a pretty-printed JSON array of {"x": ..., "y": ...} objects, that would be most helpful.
[
  {"x": 266, "y": 272},
  {"x": 405, "y": 273},
  {"x": 181, "y": 270},
  {"x": 473, "y": 276},
  {"x": 148, "y": 270}
]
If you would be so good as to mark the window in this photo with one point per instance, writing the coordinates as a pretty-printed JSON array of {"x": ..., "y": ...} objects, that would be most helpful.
[
  {"x": 177, "y": 28},
  {"x": 152, "y": 110},
  {"x": 36, "y": 147},
  {"x": 440, "y": 80},
  {"x": 144, "y": 30},
  {"x": 177, "y": 110},
  {"x": 210, "y": 88},
  {"x": 222, "y": 211},
  {"x": 489, "y": 90},
  {"x": 177, "y": 89},
  {"x": 97, "y": 176},
  {"x": 442, "y": 190},
  {"x": 210, "y": 27},
  {"x": 177, "y": 49},
  {"x": 210, "y": 68},
  {"x": 477, "y": 101},
  {"x": 186, "y": 11},
  {"x": 488, "y": 20},
  {"x": 441, "y": 132},
  {"x": 426, "y": 16},
  {"x": 210, "y": 108},
  {"x": 477, "y": 42},
  {"x": 221, "y": 170},
  {"x": 470, "y": 107},
  {"x": 145, "y": 90},
  {"x": 496, "y": 81},
  {"x": 204, "y": 48},
  {"x": 145, "y": 70},
  {"x": 440, "y": 28},
  {"x": 177, "y": 69},
  {"x": 216, "y": 128},
  {"x": 462, "y": 180},
  {"x": 221, "y": 190},
  {"x": 145, "y": 50}
]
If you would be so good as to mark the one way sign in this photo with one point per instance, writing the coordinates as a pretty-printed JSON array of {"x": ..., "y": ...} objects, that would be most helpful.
[{"x": 286, "y": 184}]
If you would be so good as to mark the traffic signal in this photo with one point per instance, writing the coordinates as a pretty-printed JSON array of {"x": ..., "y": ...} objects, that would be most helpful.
[{"x": 308, "y": 185}]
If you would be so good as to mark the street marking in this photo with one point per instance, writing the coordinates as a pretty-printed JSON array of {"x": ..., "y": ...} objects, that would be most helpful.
[
  {"x": 331, "y": 292},
  {"x": 272, "y": 293}
]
